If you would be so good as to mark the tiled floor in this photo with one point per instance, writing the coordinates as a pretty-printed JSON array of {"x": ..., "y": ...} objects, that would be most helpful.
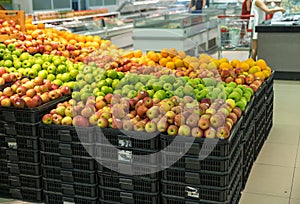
[{"x": 275, "y": 176}]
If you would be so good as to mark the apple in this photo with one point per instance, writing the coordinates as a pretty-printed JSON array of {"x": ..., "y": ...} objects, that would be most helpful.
[
  {"x": 5, "y": 102},
  {"x": 150, "y": 127},
  {"x": 7, "y": 92},
  {"x": 128, "y": 125},
  {"x": 210, "y": 133},
  {"x": 102, "y": 122},
  {"x": 184, "y": 130},
  {"x": 148, "y": 102},
  {"x": 139, "y": 126},
  {"x": 47, "y": 119},
  {"x": 204, "y": 123},
  {"x": 237, "y": 111},
  {"x": 233, "y": 117},
  {"x": 31, "y": 102},
  {"x": 30, "y": 93},
  {"x": 217, "y": 120},
  {"x": 192, "y": 120},
  {"x": 142, "y": 94},
  {"x": 18, "y": 102},
  {"x": 81, "y": 121},
  {"x": 56, "y": 119},
  {"x": 172, "y": 130},
  {"x": 162, "y": 124},
  {"x": 67, "y": 120},
  {"x": 142, "y": 111},
  {"x": 117, "y": 123},
  {"x": 153, "y": 112},
  {"x": 179, "y": 120},
  {"x": 223, "y": 132},
  {"x": 197, "y": 132}
]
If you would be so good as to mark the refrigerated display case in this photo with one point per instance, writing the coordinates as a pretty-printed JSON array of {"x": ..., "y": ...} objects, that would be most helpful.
[
  {"x": 187, "y": 32},
  {"x": 279, "y": 42}
]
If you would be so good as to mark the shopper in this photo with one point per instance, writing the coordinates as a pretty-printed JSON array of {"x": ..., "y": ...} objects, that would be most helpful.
[
  {"x": 196, "y": 6},
  {"x": 246, "y": 8},
  {"x": 259, "y": 10}
]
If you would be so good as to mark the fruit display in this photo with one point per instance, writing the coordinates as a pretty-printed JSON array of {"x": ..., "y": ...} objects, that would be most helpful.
[
  {"x": 6, "y": 77},
  {"x": 31, "y": 93},
  {"x": 9, "y": 27}
]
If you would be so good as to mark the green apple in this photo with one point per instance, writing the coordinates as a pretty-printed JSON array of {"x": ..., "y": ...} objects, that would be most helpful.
[
  {"x": 17, "y": 64},
  {"x": 138, "y": 86},
  {"x": 61, "y": 68},
  {"x": 101, "y": 83},
  {"x": 2, "y": 46},
  {"x": 120, "y": 75},
  {"x": 160, "y": 94},
  {"x": 179, "y": 92},
  {"x": 168, "y": 86},
  {"x": 115, "y": 83},
  {"x": 73, "y": 74},
  {"x": 106, "y": 89},
  {"x": 8, "y": 63},
  {"x": 11, "y": 47},
  {"x": 66, "y": 77},
  {"x": 51, "y": 77},
  {"x": 133, "y": 78},
  {"x": 37, "y": 67},
  {"x": 51, "y": 69},
  {"x": 24, "y": 56},
  {"x": 132, "y": 94},
  {"x": 89, "y": 78},
  {"x": 12, "y": 70},
  {"x": 43, "y": 74},
  {"x": 157, "y": 86},
  {"x": 32, "y": 73},
  {"x": 151, "y": 93},
  {"x": 7, "y": 56},
  {"x": 57, "y": 82},
  {"x": 38, "y": 55},
  {"x": 56, "y": 60},
  {"x": 109, "y": 81},
  {"x": 112, "y": 74}
]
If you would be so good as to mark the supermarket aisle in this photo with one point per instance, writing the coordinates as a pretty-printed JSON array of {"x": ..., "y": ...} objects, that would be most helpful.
[{"x": 275, "y": 176}]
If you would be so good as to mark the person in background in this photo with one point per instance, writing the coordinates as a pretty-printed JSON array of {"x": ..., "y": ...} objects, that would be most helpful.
[
  {"x": 246, "y": 8},
  {"x": 198, "y": 4},
  {"x": 259, "y": 10}
]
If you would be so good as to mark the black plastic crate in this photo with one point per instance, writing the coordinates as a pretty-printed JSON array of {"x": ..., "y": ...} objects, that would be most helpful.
[
  {"x": 205, "y": 179},
  {"x": 249, "y": 108},
  {"x": 67, "y": 148},
  {"x": 248, "y": 143},
  {"x": 71, "y": 176},
  {"x": 21, "y": 142},
  {"x": 129, "y": 183},
  {"x": 26, "y": 194},
  {"x": 168, "y": 199},
  {"x": 4, "y": 191},
  {"x": 114, "y": 167},
  {"x": 259, "y": 131},
  {"x": 33, "y": 169},
  {"x": 4, "y": 178},
  {"x": 68, "y": 133},
  {"x": 22, "y": 129},
  {"x": 108, "y": 152},
  {"x": 29, "y": 115},
  {"x": 23, "y": 155},
  {"x": 3, "y": 155},
  {"x": 184, "y": 192},
  {"x": 208, "y": 164},
  {"x": 260, "y": 96},
  {"x": 223, "y": 148},
  {"x": 58, "y": 198},
  {"x": 2, "y": 127},
  {"x": 3, "y": 165},
  {"x": 70, "y": 189},
  {"x": 25, "y": 181},
  {"x": 81, "y": 163},
  {"x": 128, "y": 139},
  {"x": 119, "y": 196}
]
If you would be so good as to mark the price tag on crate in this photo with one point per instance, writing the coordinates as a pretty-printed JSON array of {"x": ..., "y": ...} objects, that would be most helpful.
[
  {"x": 192, "y": 192},
  {"x": 125, "y": 155}
]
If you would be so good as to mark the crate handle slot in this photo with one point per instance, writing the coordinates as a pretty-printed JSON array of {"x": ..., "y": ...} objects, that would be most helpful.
[
  {"x": 126, "y": 184},
  {"x": 68, "y": 189},
  {"x": 192, "y": 163},
  {"x": 67, "y": 176},
  {"x": 192, "y": 178},
  {"x": 14, "y": 181},
  {"x": 66, "y": 162},
  {"x": 65, "y": 149},
  {"x": 10, "y": 129},
  {"x": 16, "y": 193},
  {"x": 127, "y": 197},
  {"x": 65, "y": 135},
  {"x": 8, "y": 116},
  {"x": 194, "y": 148},
  {"x": 13, "y": 168},
  {"x": 68, "y": 200}
]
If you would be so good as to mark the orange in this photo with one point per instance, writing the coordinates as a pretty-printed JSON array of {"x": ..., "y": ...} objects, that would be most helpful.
[
  {"x": 250, "y": 61},
  {"x": 225, "y": 65},
  {"x": 261, "y": 63},
  {"x": 164, "y": 52},
  {"x": 153, "y": 56},
  {"x": 151, "y": 63},
  {"x": 40, "y": 25},
  {"x": 81, "y": 38},
  {"x": 254, "y": 69},
  {"x": 178, "y": 63},
  {"x": 260, "y": 75},
  {"x": 89, "y": 38},
  {"x": 181, "y": 54},
  {"x": 72, "y": 42},
  {"x": 137, "y": 53},
  {"x": 244, "y": 66},
  {"x": 203, "y": 66},
  {"x": 235, "y": 62},
  {"x": 212, "y": 65},
  {"x": 194, "y": 65},
  {"x": 170, "y": 65},
  {"x": 163, "y": 62},
  {"x": 223, "y": 60},
  {"x": 266, "y": 73},
  {"x": 172, "y": 52}
]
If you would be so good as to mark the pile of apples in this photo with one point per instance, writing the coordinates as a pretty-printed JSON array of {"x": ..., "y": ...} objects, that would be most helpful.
[
  {"x": 6, "y": 77},
  {"x": 9, "y": 27},
  {"x": 31, "y": 93}
]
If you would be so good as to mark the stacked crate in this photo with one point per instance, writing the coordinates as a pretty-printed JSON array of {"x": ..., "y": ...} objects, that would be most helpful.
[
  {"x": 248, "y": 128},
  {"x": 124, "y": 177},
  {"x": 69, "y": 172},
  {"x": 259, "y": 119},
  {"x": 269, "y": 104},
  {"x": 20, "y": 151},
  {"x": 214, "y": 179}
]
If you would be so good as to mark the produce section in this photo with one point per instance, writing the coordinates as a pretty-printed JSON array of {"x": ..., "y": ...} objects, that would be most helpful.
[{"x": 83, "y": 121}]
